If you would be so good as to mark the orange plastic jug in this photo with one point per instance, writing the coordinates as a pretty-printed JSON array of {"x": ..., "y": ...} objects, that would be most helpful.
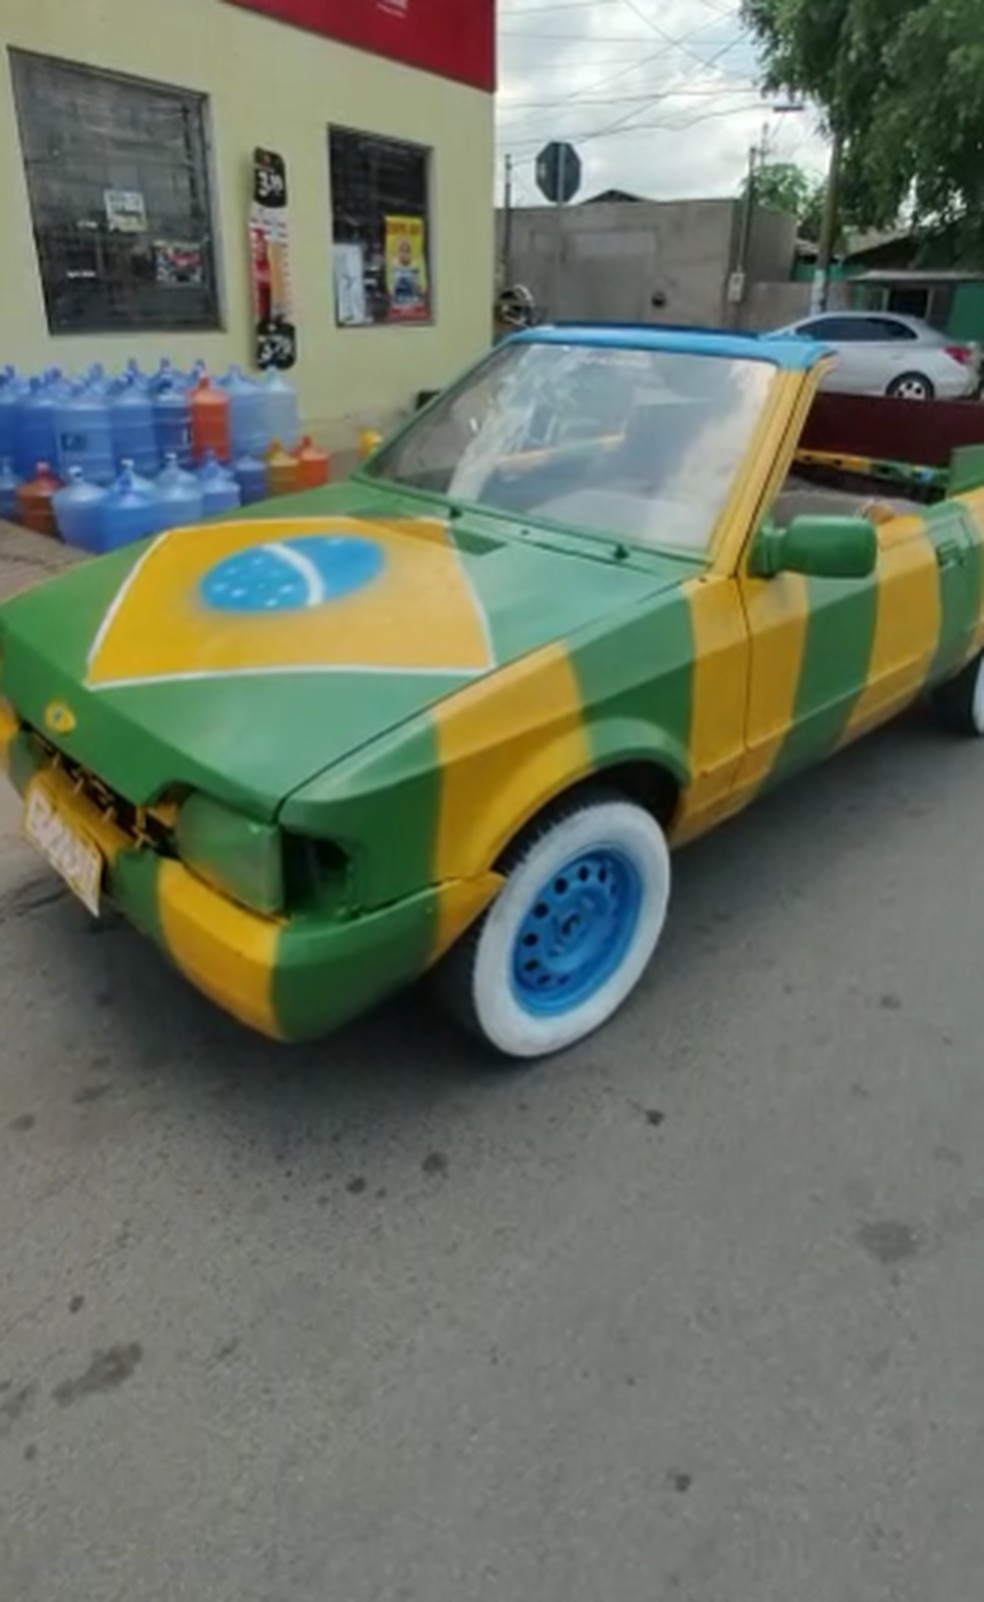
[
  {"x": 209, "y": 421},
  {"x": 283, "y": 470},
  {"x": 313, "y": 465},
  {"x": 35, "y": 501}
]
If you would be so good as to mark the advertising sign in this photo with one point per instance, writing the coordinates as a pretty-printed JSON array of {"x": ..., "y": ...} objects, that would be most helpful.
[
  {"x": 406, "y": 270},
  {"x": 454, "y": 38}
]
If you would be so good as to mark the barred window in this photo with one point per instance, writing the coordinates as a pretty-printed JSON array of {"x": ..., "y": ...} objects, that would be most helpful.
[
  {"x": 380, "y": 228},
  {"x": 117, "y": 175}
]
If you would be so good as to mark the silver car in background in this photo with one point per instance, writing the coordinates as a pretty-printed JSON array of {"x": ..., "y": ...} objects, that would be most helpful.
[{"x": 882, "y": 353}]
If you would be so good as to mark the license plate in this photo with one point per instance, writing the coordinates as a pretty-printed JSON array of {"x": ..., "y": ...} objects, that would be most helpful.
[{"x": 71, "y": 855}]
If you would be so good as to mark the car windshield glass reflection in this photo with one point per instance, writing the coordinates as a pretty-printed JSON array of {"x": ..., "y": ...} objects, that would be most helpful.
[{"x": 643, "y": 445}]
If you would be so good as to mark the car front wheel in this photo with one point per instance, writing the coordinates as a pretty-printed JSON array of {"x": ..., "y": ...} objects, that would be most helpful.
[
  {"x": 960, "y": 703},
  {"x": 911, "y": 386},
  {"x": 570, "y": 933}
]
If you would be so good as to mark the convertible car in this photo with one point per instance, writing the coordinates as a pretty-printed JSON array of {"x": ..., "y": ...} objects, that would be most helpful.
[{"x": 456, "y": 713}]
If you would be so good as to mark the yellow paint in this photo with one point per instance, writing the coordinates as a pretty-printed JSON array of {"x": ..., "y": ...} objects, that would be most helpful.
[
  {"x": 459, "y": 903},
  {"x": 59, "y": 718},
  {"x": 907, "y": 624},
  {"x": 277, "y": 87},
  {"x": 778, "y": 613},
  {"x": 81, "y": 812},
  {"x": 506, "y": 746},
  {"x": 717, "y": 725},
  {"x": 765, "y": 467},
  {"x": 227, "y": 953},
  {"x": 8, "y": 729},
  {"x": 419, "y": 614}
]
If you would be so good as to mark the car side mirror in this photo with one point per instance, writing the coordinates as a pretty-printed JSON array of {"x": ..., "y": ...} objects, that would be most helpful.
[{"x": 818, "y": 547}]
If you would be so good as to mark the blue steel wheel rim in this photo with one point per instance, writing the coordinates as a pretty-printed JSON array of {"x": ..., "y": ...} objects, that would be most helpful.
[{"x": 576, "y": 932}]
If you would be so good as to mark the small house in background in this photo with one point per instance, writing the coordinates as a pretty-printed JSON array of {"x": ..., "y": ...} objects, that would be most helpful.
[{"x": 911, "y": 274}]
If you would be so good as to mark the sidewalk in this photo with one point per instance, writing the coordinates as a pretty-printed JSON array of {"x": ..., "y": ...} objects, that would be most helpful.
[{"x": 27, "y": 558}]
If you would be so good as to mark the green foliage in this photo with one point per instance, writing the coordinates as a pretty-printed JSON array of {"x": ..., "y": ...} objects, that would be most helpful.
[
  {"x": 786, "y": 187},
  {"x": 902, "y": 82}
]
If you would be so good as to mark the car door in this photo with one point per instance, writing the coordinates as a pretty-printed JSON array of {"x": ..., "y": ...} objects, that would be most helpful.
[
  {"x": 832, "y": 658},
  {"x": 893, "y": 349},
  {"x": 845, "y": 335}
]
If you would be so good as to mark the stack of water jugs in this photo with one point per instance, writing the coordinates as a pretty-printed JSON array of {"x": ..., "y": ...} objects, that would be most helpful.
[{"x": 104, "y": 461}]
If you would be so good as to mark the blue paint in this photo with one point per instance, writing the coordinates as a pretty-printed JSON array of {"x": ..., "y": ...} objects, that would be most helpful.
[
  {"x": 577, "y": 932},
  {"x": 264, "y": 578},
  {"x": 788, "y": 352}
]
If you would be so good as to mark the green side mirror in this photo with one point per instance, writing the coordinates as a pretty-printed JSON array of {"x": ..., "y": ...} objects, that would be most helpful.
[{"x": 819, "y": 547}]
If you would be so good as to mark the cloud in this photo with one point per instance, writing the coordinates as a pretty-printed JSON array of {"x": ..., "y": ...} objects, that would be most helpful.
[{"x": 660, "y": 97}]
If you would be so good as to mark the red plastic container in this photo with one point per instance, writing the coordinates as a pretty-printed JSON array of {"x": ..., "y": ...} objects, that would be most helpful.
[
  {"x": 283, "y": 470},
  {"x": 35, "y": 500},
  {"x": 313, "y": 468},
  {"x": 209, "y": 421}
]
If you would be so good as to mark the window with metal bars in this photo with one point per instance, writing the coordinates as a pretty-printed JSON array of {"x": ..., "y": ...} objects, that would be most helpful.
[
  {"x": 117, "y": 176},
  {"x": 380, "y": 227}
]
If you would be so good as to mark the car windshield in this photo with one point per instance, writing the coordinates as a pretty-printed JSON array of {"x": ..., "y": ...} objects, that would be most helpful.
[{"x": 641, "y": 445}]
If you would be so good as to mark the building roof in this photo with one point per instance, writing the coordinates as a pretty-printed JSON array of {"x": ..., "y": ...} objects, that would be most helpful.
[
  {"x": 917, "y": 276},
  {"x": 790, "y": 352}
]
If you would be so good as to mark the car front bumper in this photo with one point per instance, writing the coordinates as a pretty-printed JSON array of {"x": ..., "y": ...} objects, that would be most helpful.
[{"x": 294, "y": 978}]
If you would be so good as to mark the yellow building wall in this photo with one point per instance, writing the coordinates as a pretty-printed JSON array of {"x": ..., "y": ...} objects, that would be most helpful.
[{"x": 278, "y": 88}]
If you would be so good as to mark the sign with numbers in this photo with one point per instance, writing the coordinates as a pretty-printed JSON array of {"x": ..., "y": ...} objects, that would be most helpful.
[
  {"x": 455, "y": 38},
  {"x": 276, "y": 336}
]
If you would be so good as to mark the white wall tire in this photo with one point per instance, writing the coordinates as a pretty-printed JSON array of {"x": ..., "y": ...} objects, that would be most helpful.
[
  {"x": 960, "y": 703},
  {"x": 570, "y": 934}
]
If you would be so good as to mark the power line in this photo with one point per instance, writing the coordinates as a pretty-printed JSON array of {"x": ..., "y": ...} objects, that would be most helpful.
[
  {"x": 622, "y": 126},
  {"x": 615, "y": 100}
]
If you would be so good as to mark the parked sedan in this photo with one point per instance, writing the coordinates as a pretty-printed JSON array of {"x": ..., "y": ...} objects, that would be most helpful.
[{"x": 885, "y": 354}]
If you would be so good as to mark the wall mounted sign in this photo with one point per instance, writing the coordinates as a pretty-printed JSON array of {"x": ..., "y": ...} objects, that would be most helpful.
[{"x": 276, "y": 336}]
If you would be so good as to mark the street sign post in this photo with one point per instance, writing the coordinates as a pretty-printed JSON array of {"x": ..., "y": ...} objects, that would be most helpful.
[{"x": 558, "y": 177}]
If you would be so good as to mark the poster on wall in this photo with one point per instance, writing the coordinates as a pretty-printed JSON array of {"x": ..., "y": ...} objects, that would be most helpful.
[
  {"x": 276, "y": 336},
  {"x": 179, "y": 264},
  {"x": 406, "y": 270},
  {"x": 351, "y": 310},
  {"x": 126, "y": 211}
]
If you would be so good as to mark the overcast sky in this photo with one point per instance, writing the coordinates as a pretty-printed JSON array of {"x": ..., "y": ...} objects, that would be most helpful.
[{"x": 659, "y": 96}]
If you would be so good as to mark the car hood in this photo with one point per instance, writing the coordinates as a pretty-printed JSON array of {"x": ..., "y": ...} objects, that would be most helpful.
[{"x": 242, "y": 658}]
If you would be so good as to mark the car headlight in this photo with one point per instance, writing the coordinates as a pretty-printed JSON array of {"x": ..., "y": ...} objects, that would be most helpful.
[{"x": 240, "y": 857}]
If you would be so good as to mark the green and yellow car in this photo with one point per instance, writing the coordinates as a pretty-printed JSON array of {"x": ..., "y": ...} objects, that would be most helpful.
[{"x": 456, "y": 713}]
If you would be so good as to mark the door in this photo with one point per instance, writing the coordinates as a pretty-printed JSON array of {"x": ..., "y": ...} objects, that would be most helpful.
[{"x": 833, "y": 658}]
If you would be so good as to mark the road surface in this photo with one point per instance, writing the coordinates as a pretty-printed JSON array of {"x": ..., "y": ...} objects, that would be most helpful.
[{"x": 696, "y": 1314}]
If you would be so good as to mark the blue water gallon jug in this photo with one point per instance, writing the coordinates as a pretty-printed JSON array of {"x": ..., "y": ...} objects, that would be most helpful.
[
  {"x": 134, "y": 427},
  {"x": 247, "y": 414},
  {"x": 251, "y": 475},
  {"x": 78, "y": 511},
  {"x": 166, "y": 375},
  {"x": 131, "y": 510},
  {"x": 134, "y": 374},
  {"x": 8, "y": 490},
  {"x": 172, "y": 421},
  {"x": 280, "y": 415},
  {"x": 11, "y": 389},
  {"x": 35, "y": 437},
  {"x": 84, "y": 433},
  {"x": 220, "y": 491},
  {"x": 181, "y": 494}
]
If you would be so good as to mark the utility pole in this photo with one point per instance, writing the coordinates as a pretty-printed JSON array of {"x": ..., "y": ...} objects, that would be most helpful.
[
  {"x": 828, "y": 231},
  {"x": 507, "y": 221}
]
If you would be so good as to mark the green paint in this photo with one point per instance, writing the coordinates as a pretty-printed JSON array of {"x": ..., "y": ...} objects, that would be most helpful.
[
  {"x": 381, "y": 807},
  {"x": 326, "y": 974},
  {"x": 839, "y": 636},
  {"x": 636, "y": 680},
  {"x": 955, "y": 539}
]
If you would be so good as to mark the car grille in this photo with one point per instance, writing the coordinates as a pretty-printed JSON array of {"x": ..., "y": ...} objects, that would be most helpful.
[{"x": 142, "y": 825}]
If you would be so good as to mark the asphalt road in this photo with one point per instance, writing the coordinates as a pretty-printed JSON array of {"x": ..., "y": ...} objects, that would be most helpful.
[{"x": 696, "y": 1314}]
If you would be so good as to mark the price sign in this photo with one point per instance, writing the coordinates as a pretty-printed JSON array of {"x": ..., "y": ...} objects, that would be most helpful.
[{"x": 276, "y": 336}]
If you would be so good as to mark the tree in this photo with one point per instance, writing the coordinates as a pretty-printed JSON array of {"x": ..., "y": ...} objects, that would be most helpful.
[
  {"x": 902, "y": 83},
  {"x": 786, "y": 187}
]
